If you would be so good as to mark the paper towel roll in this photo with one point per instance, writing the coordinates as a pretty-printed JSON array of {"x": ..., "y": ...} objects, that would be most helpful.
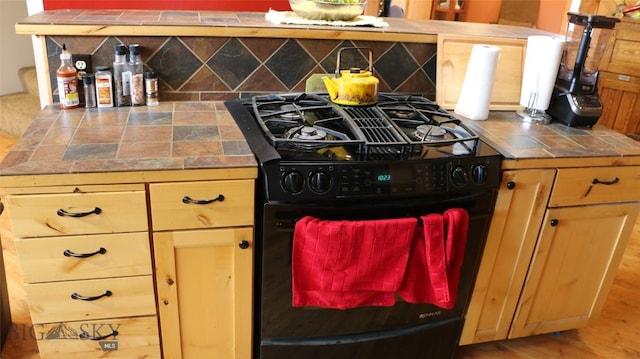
[
  {"x": 541, "y": 64},
  {"x": 475, "y": 95}
]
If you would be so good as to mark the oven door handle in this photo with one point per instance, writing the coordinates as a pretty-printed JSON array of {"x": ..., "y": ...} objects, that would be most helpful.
[{"x": 287, "y": 223}]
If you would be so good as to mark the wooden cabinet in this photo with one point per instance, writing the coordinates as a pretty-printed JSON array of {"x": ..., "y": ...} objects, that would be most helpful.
[
  {"x": 573, "y": 267},
  {"x": 513, "y": 233},
  {"x": 96, "y": 288},
  {"x": 203, "y": 250},
  {"x": 86, "y": 259},
  {"x": 552, "y": 252},
  {"x": 619, "y": 81}
]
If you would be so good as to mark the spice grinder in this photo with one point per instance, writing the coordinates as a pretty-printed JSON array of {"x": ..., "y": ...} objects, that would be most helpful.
[{"x": 575, "y": 100}]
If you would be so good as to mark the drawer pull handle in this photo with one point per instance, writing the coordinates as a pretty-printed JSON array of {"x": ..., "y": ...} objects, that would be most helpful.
[
  {"x": 187, "y": 199},
  {"x": 85, "y": 335},
  {"x": 63, "y": 213},
  {"x": 107, "y": 293},
  {"x": 608, "y": 183},
  {"x": 69, "y": 253}
]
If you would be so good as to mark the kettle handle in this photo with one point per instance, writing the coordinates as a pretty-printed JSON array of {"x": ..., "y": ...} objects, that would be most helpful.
[{"x": 354, "y": 48}]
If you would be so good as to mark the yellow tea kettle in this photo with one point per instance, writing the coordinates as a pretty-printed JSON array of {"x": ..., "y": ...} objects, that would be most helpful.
[{"x": 353, "y": 87}]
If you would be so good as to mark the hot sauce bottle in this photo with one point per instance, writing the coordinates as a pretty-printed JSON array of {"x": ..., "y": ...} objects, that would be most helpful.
[{"x": 67, "y": 77}]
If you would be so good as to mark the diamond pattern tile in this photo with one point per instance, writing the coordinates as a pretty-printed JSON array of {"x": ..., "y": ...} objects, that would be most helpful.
[
  {"x": 233, "y": 63},
  {"x": 214, "y": 68},
  {"x": 175, "y": 62},
  {"x": 396, "y": 65},
  {"x": 205, "y": 80},
  {"x": 263, "y": 80},
  {"x": 350, "y": 59},
  {"x": 103, "y": 56},
  {"x": 429, "y": 67},
  {"x": 262, "y": 48},
  {"x": 291, "y": 63},
  {"x": 204, "y": 47}
]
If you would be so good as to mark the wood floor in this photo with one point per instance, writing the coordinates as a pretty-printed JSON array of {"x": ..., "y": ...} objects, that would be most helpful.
[{"x": 615, "y": 336}]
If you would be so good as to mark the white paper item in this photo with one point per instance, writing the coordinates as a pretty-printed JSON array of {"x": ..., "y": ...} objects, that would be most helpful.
[
  {"x": 541, "y": 64},
  {"x": 475, "y": 96}
]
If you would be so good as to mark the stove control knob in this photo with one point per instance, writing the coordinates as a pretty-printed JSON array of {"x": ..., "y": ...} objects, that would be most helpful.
[
  {"x": 293, "y": 182},
  {"x": 479, "y": 173},
  {"x": 320, "y": 182},
  {"x": 459, "y": 176}
]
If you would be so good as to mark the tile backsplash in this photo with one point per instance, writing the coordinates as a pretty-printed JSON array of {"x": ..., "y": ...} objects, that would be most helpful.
[{"x": 194, "y": 68}]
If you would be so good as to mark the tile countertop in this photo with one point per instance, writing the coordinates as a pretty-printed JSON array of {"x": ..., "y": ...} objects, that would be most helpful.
[
  {"x": 203, "y": 135},
  {"x": 171, "y": 136},
  {"x": 246, "y": 24},
  {"x": 518, "y": 140}
]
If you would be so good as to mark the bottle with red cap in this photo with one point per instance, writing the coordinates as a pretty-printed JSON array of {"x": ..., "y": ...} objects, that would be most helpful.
[{"x": 67, "y": 77}]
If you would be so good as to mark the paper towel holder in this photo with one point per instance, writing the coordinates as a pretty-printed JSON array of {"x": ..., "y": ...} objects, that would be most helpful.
[{"x": 533, "y": 115}]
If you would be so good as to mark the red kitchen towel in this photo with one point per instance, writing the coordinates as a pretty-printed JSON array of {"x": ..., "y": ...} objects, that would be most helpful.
[
  {"x": 348, "y": 264},
  {"x": 433, "y": 271}
]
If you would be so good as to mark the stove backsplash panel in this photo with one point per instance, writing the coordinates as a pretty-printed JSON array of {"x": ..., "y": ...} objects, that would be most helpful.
[{"x": 219, "y": 68}]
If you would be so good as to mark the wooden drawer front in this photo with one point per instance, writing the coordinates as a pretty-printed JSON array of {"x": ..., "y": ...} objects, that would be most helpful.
[
  {"x": 52, "y": 302},
  {"x": 44, "y": 259},
  {"x": 579, "y": 186},
  {"x": 37, "y": 215},
  {"x": 625, "y": 56},
  {"x": 136, "y": 338},
  {"x": 169, "y": 211}
]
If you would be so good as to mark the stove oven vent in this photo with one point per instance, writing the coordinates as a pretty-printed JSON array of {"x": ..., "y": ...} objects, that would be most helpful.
[{"x": 382, "y": 139}]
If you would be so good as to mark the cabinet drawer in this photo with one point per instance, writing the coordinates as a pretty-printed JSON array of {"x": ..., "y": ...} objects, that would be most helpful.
[
  {"x": 60, "y": 258},
  {"x": 579, "y": 186},
  {"x": 103, "y": 212},
  {"x": 173, "y": 204},
  {"x": 136, "y": 338},
  {"x": 53, "y": 302}
]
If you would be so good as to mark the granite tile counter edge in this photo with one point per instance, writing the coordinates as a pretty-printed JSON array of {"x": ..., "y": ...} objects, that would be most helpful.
[{"x": 47, "y": 146}]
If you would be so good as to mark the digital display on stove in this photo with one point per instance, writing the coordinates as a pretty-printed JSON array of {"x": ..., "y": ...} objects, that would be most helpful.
[
  {"x": 384, "y": 177},
  {"x": 393, "y": 176}
]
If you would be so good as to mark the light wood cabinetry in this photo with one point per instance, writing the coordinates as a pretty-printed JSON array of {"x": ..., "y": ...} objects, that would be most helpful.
[
  {"x": 552, "y": 252},
  {"x": 89, "y": 293},
  {"x": 203, "y": 249},
  {"x": 619, "y": 81},
  {"x": 520, "y": 207},
  {"x": 89, "y": 272},
  {"x": 573, "y": 267}
]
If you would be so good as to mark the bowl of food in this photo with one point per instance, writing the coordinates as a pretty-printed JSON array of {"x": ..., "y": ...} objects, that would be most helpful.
[{"x": 330, "y": 10}]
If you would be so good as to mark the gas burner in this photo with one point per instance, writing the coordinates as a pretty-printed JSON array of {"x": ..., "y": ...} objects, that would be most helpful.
[
  {"x": 403, "y": 114},
  {"x": 307, "y": 133},
  {"x": 290, "y": 113},
  {"x": 424, "y": 131},
  {"x": 396, "y": 128}
]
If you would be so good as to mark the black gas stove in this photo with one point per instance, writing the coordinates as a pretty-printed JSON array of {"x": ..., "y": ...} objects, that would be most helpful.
[
  {"x": 406, "y": 145},
  {"x": 403, "y": 157}
]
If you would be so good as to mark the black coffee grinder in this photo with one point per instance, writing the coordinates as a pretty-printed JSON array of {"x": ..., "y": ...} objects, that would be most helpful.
[{"x": 575, "y": 100}]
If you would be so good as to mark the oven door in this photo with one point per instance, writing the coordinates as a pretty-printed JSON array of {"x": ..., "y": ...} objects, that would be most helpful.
[{"x": 280, "y": 326}]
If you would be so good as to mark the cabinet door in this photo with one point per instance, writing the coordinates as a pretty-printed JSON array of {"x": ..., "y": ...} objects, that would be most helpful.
[
  {"x": 573, "y": 267},
  {"x": 519, "y": 210},
  {"x": 204, "y": 280}
]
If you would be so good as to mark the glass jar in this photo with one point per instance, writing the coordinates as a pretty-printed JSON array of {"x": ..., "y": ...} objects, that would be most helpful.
[{"x": 151, "y": 88}]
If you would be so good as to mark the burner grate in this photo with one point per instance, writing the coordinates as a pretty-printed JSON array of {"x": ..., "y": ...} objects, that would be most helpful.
[{"x": 394, "y": 128}]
